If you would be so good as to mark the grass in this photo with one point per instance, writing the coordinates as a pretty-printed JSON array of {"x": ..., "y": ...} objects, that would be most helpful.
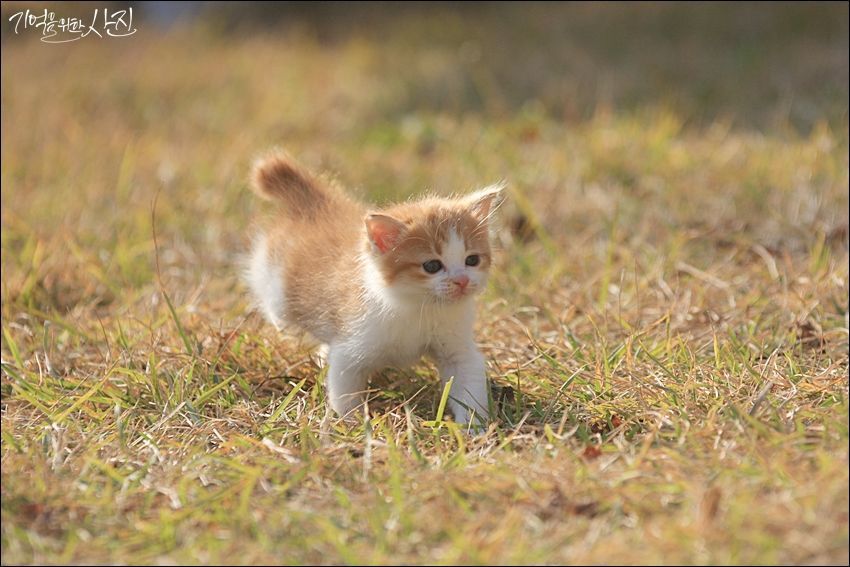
[{"x": 666, "y": 328}]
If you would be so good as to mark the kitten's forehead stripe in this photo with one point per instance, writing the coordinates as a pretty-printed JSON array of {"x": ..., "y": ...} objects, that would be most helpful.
[{"x": 455, "y": 249}]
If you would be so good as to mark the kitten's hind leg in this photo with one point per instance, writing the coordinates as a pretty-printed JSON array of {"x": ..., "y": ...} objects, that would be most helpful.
[
  {"x": 346, "y": 381},
  {"x": 266, "y": 280}
]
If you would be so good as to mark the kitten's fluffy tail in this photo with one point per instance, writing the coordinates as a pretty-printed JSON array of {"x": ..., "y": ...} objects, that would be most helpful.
[{"x": 278, "y": 178}]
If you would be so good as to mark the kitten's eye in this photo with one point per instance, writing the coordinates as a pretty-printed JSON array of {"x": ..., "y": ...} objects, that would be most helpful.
[
  {"x": 473, "y": 260},
  {"x": 432, "y": 266}
]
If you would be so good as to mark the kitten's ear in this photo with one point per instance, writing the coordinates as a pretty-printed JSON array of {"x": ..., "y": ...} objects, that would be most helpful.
[
  {"x": 484, "y": 202},
  {"x": 384, "y": 231}
]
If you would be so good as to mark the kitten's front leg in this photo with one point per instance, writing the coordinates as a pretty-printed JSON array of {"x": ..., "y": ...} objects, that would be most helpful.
[
  {"x": 346, "y": 381},
  {"x": 468, "y": 398}
]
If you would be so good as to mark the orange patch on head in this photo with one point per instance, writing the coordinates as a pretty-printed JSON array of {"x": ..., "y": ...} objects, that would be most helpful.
[{"x": 421, "y": 231}]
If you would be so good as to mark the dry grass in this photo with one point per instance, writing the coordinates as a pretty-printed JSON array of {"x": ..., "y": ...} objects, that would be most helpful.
[{"x": 667, "y": 330}]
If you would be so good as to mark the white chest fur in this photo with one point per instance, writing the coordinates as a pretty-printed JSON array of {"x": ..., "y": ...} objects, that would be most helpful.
[
  {"x": 399, "y": 337},
  {"x": 397, "y": 328}
]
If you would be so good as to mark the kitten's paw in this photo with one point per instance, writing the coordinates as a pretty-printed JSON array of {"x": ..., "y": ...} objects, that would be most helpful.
[
  {"x": 349, "y": 407},
  {"x": 320, "y": 355},
  {"x": 472, "y": 424},
  {"x": 476, "y": 430}
]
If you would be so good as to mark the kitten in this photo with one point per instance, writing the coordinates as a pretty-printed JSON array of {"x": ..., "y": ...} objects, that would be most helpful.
[{"x": 379, "y": 288}]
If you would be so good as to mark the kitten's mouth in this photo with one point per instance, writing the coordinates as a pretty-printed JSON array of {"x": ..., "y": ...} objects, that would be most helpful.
[{"x": 459, "y": 294}]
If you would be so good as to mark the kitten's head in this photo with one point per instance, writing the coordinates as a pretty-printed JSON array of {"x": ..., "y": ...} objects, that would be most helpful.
[{"x": 435, "y": 249}]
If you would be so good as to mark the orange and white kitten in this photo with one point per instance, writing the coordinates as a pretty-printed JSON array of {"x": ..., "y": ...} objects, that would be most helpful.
[{"x": 379, "y": 287}]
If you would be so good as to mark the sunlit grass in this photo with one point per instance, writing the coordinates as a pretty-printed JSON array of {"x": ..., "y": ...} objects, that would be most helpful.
[{"x": 666, "y": 327}]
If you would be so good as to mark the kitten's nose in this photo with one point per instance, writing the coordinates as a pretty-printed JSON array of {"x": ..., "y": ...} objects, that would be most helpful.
[{"x": 461, "y": 282}]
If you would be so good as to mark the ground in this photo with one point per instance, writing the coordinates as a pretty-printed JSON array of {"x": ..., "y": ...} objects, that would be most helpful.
[{"x": 666, "y": 327}]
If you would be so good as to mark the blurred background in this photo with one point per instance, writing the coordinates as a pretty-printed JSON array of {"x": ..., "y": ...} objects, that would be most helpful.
[{"x": 757, "y": 64}]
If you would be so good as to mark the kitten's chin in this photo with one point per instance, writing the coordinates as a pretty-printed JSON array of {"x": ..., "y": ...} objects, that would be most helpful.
[{"x": 456, "y": 297}]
